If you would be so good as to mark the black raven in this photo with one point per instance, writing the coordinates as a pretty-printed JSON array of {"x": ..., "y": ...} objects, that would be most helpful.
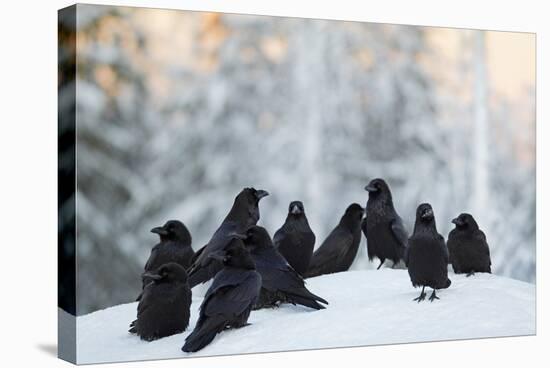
[
  {"x": 382, "y": 226},
  {"x": 229, "y": 300},
  {"x": 468, "y": 248},
  {"x": 295, "y": 240},
  {"x": 244, "y": 214},
  {"x": 280, "y": 282},
  {"x": 165, "y": 302},
  {"x": 339, "y": 249},
  {"x": 174, "y": 246},
  {"x": 426, "y": 256}
]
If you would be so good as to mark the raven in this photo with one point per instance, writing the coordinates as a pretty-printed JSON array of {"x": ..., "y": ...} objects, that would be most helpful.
[
  {"x": 295, "y": 240},
  {"x": 339, "y": 249},
  {"x": 426, "y": 256},
  {"x": 174, "y": 246},
  {"x": 164, "y": 308},
  {"x": 229, "y": 300},
  {"x": 468, "y": 248},
  {"x": 280, "y": 282},
  {"x": 382, "y": 226},
  {"x": 244, "y": 214}
]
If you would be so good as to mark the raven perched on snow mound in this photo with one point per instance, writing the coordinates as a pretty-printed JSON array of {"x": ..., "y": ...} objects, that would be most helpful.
[
  {"x": 164, "y": 306},
  {"x": 244, "y": 214},
  {"x": 468, "y": 248},
  {"x": 427, "y": 256},
  {"x": 382, "y": 226},
  {"x": 339, "y": 249},
  {"x": 174, "y": 246},
  {"x": 280, "y": 282},
  {"x": 295, "y": 240},
  {"x": 229, "y": 300}
]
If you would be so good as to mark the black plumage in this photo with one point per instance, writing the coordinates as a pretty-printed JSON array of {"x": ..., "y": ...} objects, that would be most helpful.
[
  {"x": 244, "y": 214},
  {"x": 426, "y": 255},
  {"x": 337, "y": 252},
  {"x": 280, "y": 282},
  {"x": 164, "y": 308},
  {"x": 229, "y": 300},
  {"x": 174, "y": 246},
  {"x": 386, "y": 235},
  {"x": 468, "y": 248},
  {"x": 295, "y": 240}
]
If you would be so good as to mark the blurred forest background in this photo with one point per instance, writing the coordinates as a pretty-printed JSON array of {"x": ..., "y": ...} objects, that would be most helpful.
[{"x": 178, "y": 111}]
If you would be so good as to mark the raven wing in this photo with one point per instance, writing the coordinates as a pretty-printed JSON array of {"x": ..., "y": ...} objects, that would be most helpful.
[
  {"x": 400, "y": 234},
  {"x": 231, "y": 293},
  {"x": 152, "y": 258},
  {"x": 330, "y": 252}
]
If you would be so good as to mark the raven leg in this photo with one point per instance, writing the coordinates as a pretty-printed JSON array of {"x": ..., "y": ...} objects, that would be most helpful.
[
  {"x": 433, "y": 296},
  {"x": 471, "y": 273},
  {"x": 421, "y": 297},
  {"x": 381, "y": 263}
]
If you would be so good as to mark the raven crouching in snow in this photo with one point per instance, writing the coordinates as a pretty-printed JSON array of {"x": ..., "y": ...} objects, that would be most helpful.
[
  {"x": 468, "y": 248},
  {"x": 426, "y": 256},
  {"x": 280, "y": 282},
  {"x": 165, "y": 302},
  {"x": 229, "y": 300}
]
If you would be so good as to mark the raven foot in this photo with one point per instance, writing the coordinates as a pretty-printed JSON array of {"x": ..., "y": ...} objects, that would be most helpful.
[
  {"x": 433, "y": 296},
  {"x": 421, "y": 297}
]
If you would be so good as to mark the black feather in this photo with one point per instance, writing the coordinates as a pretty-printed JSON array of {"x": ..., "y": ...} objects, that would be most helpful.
[
  {"x": 386, "y": 235},
  {"x": 337, "y": 252},
  {"x": 229, "y": 300},
  {"x": 295, "y": 240},
  {"x": 174, "y": 246},
  {"x": 164, "y": 306},
  {"x": 280, "y": 282},
  {"x": 427, "y": 255},
  {"x": 468, "y": 248},
  {"x": 244, "y": 214}
]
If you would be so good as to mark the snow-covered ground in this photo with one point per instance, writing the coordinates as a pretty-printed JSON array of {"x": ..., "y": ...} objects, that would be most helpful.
[{"x": 366, "y": 308}]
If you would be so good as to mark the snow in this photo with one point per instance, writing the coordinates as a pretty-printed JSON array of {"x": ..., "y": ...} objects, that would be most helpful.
[{"x": 366, "y": 308}]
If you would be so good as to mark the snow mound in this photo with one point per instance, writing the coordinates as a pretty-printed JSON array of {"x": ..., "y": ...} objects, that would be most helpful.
[{"x": 366, "y": 308}]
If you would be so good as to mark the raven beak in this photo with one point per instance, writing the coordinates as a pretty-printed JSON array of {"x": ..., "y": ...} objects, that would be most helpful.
[
  {"x": 369, "y": 188},
  {"x": 428, "y": 214},
  {"x": 295, "y": 210},
  {"x": 153, "y": 276},
  {"x": 456, "y": 221},
  {"x": 159, "y": 230},
  {"x": 261, "y": 193},
  {"x": 218, "y": 256}
]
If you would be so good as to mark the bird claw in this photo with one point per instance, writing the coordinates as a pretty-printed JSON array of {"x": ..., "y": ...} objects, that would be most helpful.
[
  {"x": 471, "y": 273},
  {"x": 420, "y": 298},
  {"x": 433, "y": 296}
]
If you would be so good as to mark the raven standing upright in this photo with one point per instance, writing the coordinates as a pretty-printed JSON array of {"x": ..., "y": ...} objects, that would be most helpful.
[
  {"x": 468, "y": 248},
  {"x": 174, "y": 246},
  {"x": 382, "y": 226},
  {"x": 339, "y": 249},
  {"x": 229, "y": 300},
  {"x": 244, "y": 214},
  {"x": 295, "y": 240},
  {"x": 427, "y": 256}
]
